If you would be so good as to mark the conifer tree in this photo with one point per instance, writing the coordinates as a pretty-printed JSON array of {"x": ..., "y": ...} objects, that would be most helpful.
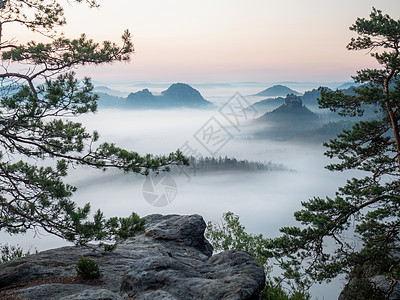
[
  {"x": 39, "y": 92},
  {"x": 361, "y": 224}
]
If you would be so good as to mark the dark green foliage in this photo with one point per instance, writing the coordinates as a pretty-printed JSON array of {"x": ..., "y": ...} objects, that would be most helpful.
[
  {"x": 361, "y": 223},
  {"x": 38, "y": 139},
  {"x": 11, "y": 252},
  {"x": 360, "y": 289},
  {"x": 231, "y": 234},
  {"x": 277, "y": 292},
  {"x": 231, "y": 164},
  {"x": 101, "y": 229},
  {"x": 87, "y": 268},
  {"x": 359, "y": 285}
]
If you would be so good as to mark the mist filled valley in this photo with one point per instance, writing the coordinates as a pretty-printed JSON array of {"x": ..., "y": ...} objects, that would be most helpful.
[
  {"x": 258, "y": 168},
  {"x": 199, "y": 150}
]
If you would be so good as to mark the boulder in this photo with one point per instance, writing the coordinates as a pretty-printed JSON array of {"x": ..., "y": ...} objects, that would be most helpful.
[{"x": 170, "y": 260}]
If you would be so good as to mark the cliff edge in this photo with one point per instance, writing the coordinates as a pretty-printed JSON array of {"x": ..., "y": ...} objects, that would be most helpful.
[{"x": 170, "y": 260}]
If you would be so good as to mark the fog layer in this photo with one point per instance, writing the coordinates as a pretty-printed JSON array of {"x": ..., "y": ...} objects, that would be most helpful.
[{"x": 265, "y": 201}]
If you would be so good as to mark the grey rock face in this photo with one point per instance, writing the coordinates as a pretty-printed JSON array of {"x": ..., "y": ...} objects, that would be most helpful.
[
  {"x": 170, "y": 260},
  {"x": 383, "y": 284},
  {"x": 156, "y": 295},
  {"x": 14, "y": 272},
  {"x": 377, "y": 286},
  {"x": 227, "y": 275},
  {"x": 185, "y": 230},
  {"x": 94, "y": 295},
  {"x": 65, "y": 292}
]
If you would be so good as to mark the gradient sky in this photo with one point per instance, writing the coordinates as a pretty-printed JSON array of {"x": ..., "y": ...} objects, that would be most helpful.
[{"x": 229, "y": 40}]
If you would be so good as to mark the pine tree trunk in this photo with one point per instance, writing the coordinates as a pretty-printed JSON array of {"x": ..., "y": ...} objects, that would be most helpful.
[{"x": 392, "y": 115}]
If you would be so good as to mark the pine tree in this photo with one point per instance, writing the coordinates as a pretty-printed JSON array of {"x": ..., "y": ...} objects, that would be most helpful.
[
  {"x": 361, "y": 224},
  {"x": 39, "y": 92}
]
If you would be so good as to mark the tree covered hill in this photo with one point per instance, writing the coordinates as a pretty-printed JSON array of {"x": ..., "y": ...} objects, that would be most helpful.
[
  {"x": 228, "y": 164},
  {"x": 178, "y": 95},
  {"x": 292, "y": 110},
  {"x": 277, "y": 90},
  {"x": 291, "y": 120},
  {"x": 309, "y": 98}
]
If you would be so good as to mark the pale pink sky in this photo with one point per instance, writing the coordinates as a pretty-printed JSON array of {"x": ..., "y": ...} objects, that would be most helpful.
[{"x": 229, "y": 40}]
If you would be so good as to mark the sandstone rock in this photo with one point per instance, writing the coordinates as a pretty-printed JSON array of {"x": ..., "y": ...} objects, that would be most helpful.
[
  {"x": 170, "y": 260},
  {"x": 55, "y": 291},
  {"x": 156, "y": 295},
  {"x": 14, "y": 272},
  {"x": 383, "y": 283},
  {"x": 368, "y": 286},
  {"x": 227, "y": 275},
  {"x": 185, "y": 230},
  {"x": 100, "y": 294}
]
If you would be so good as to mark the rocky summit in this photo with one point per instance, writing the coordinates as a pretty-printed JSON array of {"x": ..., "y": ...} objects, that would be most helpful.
[{"x": 170, "y": 260}]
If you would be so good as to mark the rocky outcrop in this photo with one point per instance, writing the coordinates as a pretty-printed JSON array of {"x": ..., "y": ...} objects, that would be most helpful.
[
  {"x": 178, "y": 95},
  {"x": 293, "y": 102},
  {"x": 291, "y": 112},
  {"x": 374, "y": 287},
  {"x": 373, "y": 279},
  {"x": 171, "y": 259}
]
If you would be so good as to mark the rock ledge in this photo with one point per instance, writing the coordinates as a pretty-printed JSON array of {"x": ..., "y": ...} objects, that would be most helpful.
[{"x": 170, "y": 260}]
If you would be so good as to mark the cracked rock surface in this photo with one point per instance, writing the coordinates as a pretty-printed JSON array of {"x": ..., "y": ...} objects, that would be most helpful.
[{"x": 170, "y": 260}]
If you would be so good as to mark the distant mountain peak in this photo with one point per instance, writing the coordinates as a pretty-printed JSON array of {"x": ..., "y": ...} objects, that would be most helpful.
[
  {"x": 145, "y": 93},
  {"x": 292, "y": 110},
  {"x": 177, "y": 95},
  {"x": 182, "y": 90},
  {"x": 277, "y": 90}
]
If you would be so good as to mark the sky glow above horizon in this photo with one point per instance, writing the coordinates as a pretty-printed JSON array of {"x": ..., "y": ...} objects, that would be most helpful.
[{"x": 229, "y": 40}]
